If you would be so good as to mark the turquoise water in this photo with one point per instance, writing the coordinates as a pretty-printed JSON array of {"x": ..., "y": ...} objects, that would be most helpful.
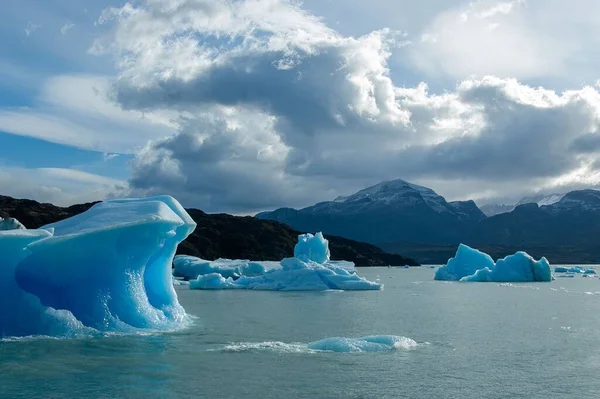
[{"x": 473, "y": 340}]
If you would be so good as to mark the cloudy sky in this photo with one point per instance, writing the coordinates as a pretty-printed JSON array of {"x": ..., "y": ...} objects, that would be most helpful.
[{"x": 242, "y": 106}]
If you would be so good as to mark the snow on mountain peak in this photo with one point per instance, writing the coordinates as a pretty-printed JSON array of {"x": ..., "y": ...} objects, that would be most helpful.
[
  {"x": 542, "y": 199},
  {"x": 387, "y": 191}
]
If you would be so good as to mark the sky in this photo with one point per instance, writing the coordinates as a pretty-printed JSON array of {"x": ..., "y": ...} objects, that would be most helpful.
[{"x": 250, "y": 105}]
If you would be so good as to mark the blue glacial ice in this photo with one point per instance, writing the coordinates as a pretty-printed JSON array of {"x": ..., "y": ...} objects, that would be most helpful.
[
  {"x": 574, "y": 269},
  {"x": 190, "y": 267},
  {"x": 300, "y": 273},
  {"x": 373, "y": 343},
  {"x": 465, "y": 263},
  {"x": 312, "y": 248},
  {"x": 472, "y": 265},
  {"x": 10, "y": 224},
  {"x": 105, "y": 270}
]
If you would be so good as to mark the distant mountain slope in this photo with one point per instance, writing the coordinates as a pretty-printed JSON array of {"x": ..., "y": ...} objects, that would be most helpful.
[
  {"x": 220, "y": 235},
  {"x": 573, "y": 220},
  {"x": 540, "y": 199},
  {"x": 566, "y": 231},
  {"x": 389, "y": 211}
]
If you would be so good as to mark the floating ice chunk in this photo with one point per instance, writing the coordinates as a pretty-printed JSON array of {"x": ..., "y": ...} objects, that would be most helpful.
[
  {"x": 574, "y": 269},
  {"x": 108, "y": 269},
  {"x": 295, "y": 274},
  {"x": 561, "y": 269},
  {"x": 312, "y": 248},
  {"x": 10, "y": 224},
  {"x": 190, "y": 267},
  {"x": 589, "y": 271},
  {"x": 213, "y": 281},
  {"x": 375, "y": 343},
  {"x": 519, "y": 267},
  {"x": 465, "y": 263}
]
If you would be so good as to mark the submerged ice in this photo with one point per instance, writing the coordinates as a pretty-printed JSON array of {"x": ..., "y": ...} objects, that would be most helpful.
[
  {"x": 108, "y": 269},
  {"x": 373, "y": 343},
  {"x": 309, "y": 270},
  {"x": 472, "y": 265}
]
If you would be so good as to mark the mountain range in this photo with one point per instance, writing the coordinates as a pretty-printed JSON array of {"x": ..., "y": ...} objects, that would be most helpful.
[
  {"x": 405, "y": 218},
  {"x": 389, "y": 211},
  {"x": 540, "y": 199},
  {"x": 220, "y": 235}
]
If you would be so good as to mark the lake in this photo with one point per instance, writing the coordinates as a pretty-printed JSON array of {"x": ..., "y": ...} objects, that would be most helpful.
[{"x": 474, "y": 340}]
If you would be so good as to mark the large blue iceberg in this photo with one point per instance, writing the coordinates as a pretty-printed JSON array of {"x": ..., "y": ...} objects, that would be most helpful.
[
  {"x": 309, "y": 270},
  {"x": 472, "y": 265},
  {"x": 105, "y": 270}
]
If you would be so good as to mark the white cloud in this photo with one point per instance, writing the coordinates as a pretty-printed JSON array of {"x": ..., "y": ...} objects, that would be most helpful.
[
  {"x": 56, "y": 185},
  {"x": 66, "y": 28},
  {"x": 30, "y": 28},
  {"x": 276, "y": 108},
  {"x": 76, "y": 111},
  {"x": 534, "y": 39}
]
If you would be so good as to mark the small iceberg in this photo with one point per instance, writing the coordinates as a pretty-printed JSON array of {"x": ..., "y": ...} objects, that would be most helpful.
[
  {"x": 574, "y": 269},
  {"x": 10, "y": 224},
  {"x": 309, "y": 270},
  {"x": 472, "y": 265},
  {"x": 190, "y": 267},
  {"x": 105, "y": 270},
  {"x": 373, "y": 343}
]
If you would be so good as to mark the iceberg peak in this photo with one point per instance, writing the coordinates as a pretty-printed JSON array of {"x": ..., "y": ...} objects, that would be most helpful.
[{"x": 312, "y": 248}]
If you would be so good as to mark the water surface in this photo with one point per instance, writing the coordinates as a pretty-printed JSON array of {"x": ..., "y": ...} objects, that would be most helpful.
[{"x": 474, "y": 340}]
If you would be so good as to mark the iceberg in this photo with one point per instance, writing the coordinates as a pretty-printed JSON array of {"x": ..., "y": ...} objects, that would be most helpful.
[
  {"x": 465, "y": 263},
  {"x": 10, "y": 224},
  {"x": 105, "y": 270},
  {"x": 190, "y": 267},
  {"x": 300, "y": 273},
  {"x": 574, "y": 269},
  {"x": 472, "y": 265}
]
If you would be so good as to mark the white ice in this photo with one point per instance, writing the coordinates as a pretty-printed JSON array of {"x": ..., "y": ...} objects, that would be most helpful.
[
  {"x": 300, "y": 273},
  {"x": 10, "y": 224}
]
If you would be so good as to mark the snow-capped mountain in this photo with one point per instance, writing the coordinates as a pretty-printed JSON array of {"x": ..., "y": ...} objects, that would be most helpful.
[
  {"x": 572, "y": 221},
  {"x": 541, "y": 199},
  {"x": 393, "y": 210}
]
